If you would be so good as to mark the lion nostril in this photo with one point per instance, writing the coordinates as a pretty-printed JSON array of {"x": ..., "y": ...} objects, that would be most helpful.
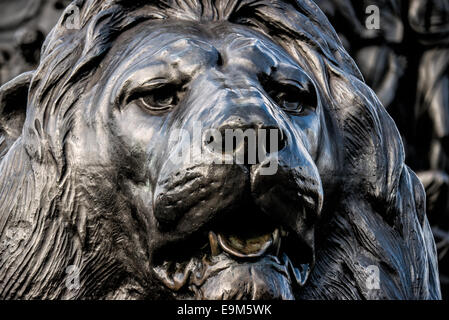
[
  {"x": 210, "y": 140},
  {"x": 274, "y": 140},
  {"x": 220, "y": 61},
  {"x": 247, "y": 145}
]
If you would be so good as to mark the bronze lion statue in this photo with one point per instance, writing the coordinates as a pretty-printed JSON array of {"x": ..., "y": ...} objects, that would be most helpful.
[{"x": 88, "y": 182}]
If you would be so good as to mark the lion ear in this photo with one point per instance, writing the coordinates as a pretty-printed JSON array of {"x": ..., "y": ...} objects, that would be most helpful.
[{"x": 13, "y": 106}]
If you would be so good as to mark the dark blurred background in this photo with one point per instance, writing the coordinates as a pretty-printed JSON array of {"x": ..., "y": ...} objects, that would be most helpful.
[
  {"x": 405, "y": 60},
  {"x": 401, "y": 47}
]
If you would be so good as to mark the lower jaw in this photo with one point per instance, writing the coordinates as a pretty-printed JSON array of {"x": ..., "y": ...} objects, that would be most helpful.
[
  {"x": 260, "y": 280},
  {"x": 223, "y": 278}
]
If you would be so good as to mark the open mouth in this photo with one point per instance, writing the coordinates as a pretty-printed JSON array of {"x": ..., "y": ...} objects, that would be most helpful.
[
  {"x": 238, "y": 246},
  {"x": 245, "y": 248}
]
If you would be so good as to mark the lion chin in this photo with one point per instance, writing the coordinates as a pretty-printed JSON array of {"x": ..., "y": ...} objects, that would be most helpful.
[{"x": 236, "y": 269}]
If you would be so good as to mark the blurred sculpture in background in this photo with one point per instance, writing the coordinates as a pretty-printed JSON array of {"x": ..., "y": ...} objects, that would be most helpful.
[
  {"x": 23, "y": 27},
  {"x": 406, "y": 62}
]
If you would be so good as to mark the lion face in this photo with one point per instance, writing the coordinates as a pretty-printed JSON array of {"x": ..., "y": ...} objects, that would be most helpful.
[
  {"x": 208, "y": 229},
  {"x": 172, "y": 149}
]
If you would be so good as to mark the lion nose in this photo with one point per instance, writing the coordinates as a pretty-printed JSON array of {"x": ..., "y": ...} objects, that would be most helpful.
[{"x": 249, "y": 142}]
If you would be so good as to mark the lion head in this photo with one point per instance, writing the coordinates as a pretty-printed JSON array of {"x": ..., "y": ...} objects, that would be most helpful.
[{"x": 87, "y": 176}]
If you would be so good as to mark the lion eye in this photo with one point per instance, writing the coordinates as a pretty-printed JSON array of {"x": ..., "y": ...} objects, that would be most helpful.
[
  {"x": 288, "y": 101},
  {"x": 160, "y": 99},
  {"x": 292, "y": 98}
]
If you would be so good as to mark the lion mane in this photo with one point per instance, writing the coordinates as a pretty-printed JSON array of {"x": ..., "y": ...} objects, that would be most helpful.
[{"x": 379, "y": 219}]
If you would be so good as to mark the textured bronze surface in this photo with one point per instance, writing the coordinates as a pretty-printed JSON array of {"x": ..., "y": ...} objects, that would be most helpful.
[{"x": 88, "y": 180}]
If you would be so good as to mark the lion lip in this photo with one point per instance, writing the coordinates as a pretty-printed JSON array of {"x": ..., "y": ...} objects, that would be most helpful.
[{"x": 238, "y": 246}]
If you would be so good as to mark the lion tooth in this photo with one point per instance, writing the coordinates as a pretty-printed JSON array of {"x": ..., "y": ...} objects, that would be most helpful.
[
  {"x": 179, "y": 278},
  {"x": 214, "y": 247},
  {"x": 163, "y": 275},
  {"x": 284, "y": 233},
  {"x": 276, "y": 235},
  {"x": 302, "y": 275},
  {"x": 276, "y": 241}
]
